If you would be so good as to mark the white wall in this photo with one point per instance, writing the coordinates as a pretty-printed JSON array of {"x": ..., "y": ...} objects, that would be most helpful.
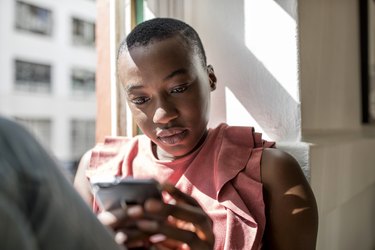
[
  {"x": 257, "y": 82},
  {"x": 253, "y": 47},
  {"x": 5, "y": 28},
  {"x": 342, "y": 155},
  {"x": 330, "y": 79},
  {"x": 343, "y": 179}
]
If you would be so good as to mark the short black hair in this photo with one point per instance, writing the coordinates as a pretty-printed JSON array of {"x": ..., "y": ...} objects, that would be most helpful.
[{"x": 158, "y": 29}]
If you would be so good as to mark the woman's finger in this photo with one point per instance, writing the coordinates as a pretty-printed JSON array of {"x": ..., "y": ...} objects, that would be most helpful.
[
  {"x": 131, "y": 237},
  {"x": 112, "y": 218},
  {"x": 169, "y": 244},
  {"x": 178, "y": 195},
  {"x": 171, "y": 232},
  {"x": 184, "y": 212}
]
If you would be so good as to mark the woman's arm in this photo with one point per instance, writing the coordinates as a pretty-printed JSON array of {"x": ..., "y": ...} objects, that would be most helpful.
[
  {"x": 291, "y": 210},
  {"x": 81, "y": 183}
]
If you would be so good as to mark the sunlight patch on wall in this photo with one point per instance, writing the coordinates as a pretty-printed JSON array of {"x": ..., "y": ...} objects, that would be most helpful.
[
  {"x": 271, "y": 35},
  {"x": 237, "y": 114},
  {"x": 148, "y": 12}
]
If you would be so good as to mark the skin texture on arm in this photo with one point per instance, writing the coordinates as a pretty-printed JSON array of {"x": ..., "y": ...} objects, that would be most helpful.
[
  {"x": 291, "y": 210},
  {"x": 81, "y": 182}
]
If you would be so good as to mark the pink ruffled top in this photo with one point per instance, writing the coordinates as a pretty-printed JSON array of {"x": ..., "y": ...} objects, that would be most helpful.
[{"x": 223, "y": 175}]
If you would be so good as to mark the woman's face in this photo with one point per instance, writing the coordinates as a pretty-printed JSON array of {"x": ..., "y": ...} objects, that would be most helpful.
[{"x": 168, "y": 91}]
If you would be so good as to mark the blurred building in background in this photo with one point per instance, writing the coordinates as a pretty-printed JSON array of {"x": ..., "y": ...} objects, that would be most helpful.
[{"x": 47, "y": 66}]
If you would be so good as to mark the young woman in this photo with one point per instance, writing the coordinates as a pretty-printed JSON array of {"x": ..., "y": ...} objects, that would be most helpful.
[{"x": 237, "y": 190}]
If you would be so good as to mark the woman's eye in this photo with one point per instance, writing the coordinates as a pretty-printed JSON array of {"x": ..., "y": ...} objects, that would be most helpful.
[
  {"x": 140, "y": 100},
  {"x": 179, "y": 89}
]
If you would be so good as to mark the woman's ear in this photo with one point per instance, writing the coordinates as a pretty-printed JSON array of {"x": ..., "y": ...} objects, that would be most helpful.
[{"x": 212, "y": 77}]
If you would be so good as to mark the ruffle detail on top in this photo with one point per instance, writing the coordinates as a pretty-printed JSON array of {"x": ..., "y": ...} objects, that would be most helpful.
[{"x": 230, "y": 161}]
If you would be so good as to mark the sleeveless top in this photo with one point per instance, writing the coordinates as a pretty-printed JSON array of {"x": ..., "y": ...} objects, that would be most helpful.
[{"x": 223, "y": 175}]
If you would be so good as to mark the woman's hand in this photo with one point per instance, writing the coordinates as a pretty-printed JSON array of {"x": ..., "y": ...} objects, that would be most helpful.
[{"x": 182, "y": 225}]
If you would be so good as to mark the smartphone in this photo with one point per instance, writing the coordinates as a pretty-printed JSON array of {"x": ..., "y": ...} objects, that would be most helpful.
[{"x": 117, "y": 193}]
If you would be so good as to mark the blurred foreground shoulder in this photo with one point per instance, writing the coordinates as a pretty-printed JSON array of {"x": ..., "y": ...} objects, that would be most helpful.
[{"x": 291, "y": 210}]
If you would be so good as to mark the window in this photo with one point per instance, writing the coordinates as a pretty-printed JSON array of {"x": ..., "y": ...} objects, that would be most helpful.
[
  {"x": 40, "y": 128},
  {"x": 82, "y": 137},
  {"x": 83, "y": 81},
  {"x": 83, "y": 32},
  {"x": 33, "y": 77},
  {"x": 33, "y": 19}
]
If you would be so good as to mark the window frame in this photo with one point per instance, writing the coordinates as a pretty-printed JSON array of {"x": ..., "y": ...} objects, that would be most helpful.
[
  {"x": 28, "y": 86},
  {"x": 114, "y": 20},
  {"x": 20, "y": 27}
]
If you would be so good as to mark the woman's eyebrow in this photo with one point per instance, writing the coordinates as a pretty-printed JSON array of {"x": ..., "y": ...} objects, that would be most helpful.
[
  {"x": 133, "y": 86},
  {"x": 181, "y": 71}
]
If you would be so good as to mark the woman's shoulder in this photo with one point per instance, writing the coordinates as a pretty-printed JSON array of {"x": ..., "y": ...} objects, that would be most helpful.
[
  {"x": 289, "y": 201},
  {"x": 279, "y": 167}
]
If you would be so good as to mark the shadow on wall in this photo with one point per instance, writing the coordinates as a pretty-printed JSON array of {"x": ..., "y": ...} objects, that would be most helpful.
[
  {"x": 255, "y": 59},
  {"x": 252, "y": 46}
]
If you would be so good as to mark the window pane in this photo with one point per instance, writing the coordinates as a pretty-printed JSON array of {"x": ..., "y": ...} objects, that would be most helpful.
[
  {"x": 33, "y": 18},
  {"x": 82, "y": 137},
  {"x": 83, "y": 32},
  {"x": 33, "y": 77},
  {"x": 83, "y": 81}
]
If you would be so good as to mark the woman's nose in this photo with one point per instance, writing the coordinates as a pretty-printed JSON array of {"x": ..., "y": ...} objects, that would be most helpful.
[{"x": 165, "y": 111}]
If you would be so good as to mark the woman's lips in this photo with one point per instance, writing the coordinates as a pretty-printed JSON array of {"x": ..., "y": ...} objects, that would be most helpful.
[{"x": 171, "y": 136}]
